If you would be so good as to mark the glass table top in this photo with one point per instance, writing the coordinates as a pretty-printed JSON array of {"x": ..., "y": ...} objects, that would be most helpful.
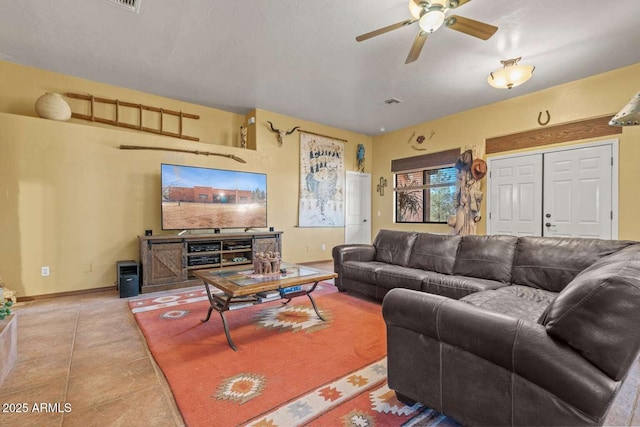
[{"x": 246, "y": 276}]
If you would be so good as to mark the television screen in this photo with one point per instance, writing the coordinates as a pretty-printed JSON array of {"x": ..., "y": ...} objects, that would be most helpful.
[{"x": 196, "y": 198}]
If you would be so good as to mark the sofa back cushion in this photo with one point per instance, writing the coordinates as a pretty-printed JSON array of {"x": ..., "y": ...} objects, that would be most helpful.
[
  {"x": 598, "y": 313},
  {"x": 486, "y": 257},
  {"x": 435, "y": 252},
  {"x": 394, "y": 247},
  {"x": 550, "y": 263}
]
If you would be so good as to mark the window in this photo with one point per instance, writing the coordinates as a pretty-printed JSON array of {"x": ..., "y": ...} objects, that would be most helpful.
[
  {"x": 425, "y": 187},
  {"x": 425, "y": 196}
]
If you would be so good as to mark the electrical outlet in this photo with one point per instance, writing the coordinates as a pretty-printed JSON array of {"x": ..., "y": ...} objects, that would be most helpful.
[
  {"x": 45, "y": 271},
  {"x": 324, "y": 246}
]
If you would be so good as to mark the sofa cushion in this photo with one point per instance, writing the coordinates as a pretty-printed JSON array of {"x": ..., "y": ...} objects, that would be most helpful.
[
  {"x": 394, "y": 247},
  {"x": 361, "y": 271},
  {"x": 521, "y": 302},
  {"x": 456, "y": 287},
  {"x": 486, "y": 257},
  {"x": 435, "y": 252},
  {"x": 598, "y": 313},
  {"x": 394, "y": 276},
  {"x": 551, "y": 263}
]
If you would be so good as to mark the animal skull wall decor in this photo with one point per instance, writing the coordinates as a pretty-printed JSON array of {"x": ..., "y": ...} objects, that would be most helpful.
[{"x": 281, "y": 133}]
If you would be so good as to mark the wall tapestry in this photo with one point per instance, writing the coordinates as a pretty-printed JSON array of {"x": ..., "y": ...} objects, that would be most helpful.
[{"x": 322, "y": 181}]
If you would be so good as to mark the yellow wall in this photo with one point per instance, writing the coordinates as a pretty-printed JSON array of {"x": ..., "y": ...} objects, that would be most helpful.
[
  {"x": 591, "y": 97},
  {"x": 71, "y": 200}
]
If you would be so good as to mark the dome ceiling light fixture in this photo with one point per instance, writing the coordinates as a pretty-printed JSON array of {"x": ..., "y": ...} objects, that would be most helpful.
[
  {"x": 511, "y": 74},
  {"x": 430, "y": 16},
  {"x": 629, "y": 115}
]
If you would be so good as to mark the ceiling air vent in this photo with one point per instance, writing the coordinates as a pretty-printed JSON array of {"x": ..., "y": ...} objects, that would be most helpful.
[
  {"x": 132, "y": 5},
  {"x": 391, "y": 101}
]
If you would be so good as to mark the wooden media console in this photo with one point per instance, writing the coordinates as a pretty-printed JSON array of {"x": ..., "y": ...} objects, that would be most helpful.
[{"x": 169, "y": 261}]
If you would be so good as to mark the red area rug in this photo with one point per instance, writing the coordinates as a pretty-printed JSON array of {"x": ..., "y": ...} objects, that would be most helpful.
[{"x": 291, "y": 368}]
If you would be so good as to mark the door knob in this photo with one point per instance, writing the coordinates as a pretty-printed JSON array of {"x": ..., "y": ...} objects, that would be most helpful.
[
  {"x": 548, "y": 224},
  {"x": 548, "y": 215},
  {"x": 364, "y": 220}
]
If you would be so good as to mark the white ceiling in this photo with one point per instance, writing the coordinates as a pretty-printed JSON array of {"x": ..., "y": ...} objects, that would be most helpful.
[{"x": 300, "y": 57}]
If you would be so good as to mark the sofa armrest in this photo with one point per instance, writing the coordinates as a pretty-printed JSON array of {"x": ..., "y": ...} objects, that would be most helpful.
[
  {"x": 351, "y": 252},
  {"x": 520, "y": 347}
]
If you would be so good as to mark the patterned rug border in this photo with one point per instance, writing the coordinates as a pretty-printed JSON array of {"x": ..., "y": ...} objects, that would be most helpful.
[
  {"x": 171, "y": 300},
  {"x": 322, "y": 399}
]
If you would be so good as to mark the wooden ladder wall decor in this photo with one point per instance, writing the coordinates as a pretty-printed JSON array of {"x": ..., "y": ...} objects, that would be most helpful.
[{"x": 141, "y": 107}]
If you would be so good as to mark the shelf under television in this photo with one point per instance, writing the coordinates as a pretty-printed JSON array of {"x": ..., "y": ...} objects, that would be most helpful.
[
  {"x": 202, "y": 266},
  {"x": 231, "y": 264},
  {"x": 235, "y": 251},
  {"x": 203, "y": 253}
]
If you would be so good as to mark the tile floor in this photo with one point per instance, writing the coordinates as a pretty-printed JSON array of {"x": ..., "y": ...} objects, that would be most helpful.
[{"x": 86, "y": 351}]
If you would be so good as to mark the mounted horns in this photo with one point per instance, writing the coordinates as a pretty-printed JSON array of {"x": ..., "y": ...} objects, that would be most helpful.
[{"x": 281, "y": 133}]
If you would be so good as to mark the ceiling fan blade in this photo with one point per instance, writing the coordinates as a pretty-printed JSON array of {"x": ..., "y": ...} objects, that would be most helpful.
[
  {"x": 383, "y": 30},
  {"x": 460, "y": 3},
  {"x": 472, "y": 27},
  {"x": 416, "y": 47}
]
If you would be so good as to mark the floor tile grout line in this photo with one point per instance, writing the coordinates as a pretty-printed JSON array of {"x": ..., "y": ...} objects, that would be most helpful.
[
  {"x": 73, "y": 346},
  {"x": 635, "y": 403}
]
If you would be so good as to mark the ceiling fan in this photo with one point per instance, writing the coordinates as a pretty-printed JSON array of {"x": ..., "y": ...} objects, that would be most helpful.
[{"x": 431, "y": 15}]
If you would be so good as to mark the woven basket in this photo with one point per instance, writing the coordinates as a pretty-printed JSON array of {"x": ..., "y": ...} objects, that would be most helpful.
[{"x": 53, "y": 106}]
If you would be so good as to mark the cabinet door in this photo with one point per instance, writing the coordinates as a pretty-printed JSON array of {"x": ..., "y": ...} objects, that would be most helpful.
[{"x": 166, "y": 263}]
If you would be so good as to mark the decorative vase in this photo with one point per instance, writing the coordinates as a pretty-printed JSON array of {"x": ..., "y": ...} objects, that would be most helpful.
[{"x": 53, "y": 106}]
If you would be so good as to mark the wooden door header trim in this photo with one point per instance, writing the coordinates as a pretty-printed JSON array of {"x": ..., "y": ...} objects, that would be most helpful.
[{"x": 572, "y": 131}]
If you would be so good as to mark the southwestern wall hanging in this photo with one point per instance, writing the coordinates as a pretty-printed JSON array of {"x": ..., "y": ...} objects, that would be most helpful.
[
  {"x": 470, "y": 169},
  {"x": 322, "y": 181}
]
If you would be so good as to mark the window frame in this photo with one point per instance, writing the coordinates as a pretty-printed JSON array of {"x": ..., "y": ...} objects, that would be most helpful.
[{"x": 425, "y": 190}]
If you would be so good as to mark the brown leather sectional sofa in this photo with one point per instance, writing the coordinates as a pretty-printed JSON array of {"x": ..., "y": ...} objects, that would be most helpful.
[{"x": 503, "y": 330}]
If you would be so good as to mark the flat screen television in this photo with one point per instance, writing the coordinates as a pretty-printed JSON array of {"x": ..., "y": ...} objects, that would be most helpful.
[{"x": 200, "y": 198}]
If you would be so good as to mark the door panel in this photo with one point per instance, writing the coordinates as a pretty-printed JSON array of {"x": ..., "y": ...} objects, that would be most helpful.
[
  {"x": 516, "y": 196},
  {"x": 577, "y": 192}
]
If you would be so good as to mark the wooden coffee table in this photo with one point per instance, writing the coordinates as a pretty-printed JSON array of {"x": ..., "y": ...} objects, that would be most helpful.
[{"x": 241, "y": 288}]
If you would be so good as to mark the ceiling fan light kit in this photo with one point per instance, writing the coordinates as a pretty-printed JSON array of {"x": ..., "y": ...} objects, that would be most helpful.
[
  {"x": 511, "y": 74},
  {"x": 431, "y": 21},
  {"x": 430, "y": 16},
  {"x": 629, "y": 115}
]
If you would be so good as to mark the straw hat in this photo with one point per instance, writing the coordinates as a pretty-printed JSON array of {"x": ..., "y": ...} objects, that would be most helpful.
[{"x": 478, "y": 169}]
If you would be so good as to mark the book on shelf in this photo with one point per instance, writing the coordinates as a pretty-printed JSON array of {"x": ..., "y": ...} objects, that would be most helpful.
[
  {"x": 237, "y": 305},
  {"x": 268, "y": 296},
  {"x": 289, "y": 290}
]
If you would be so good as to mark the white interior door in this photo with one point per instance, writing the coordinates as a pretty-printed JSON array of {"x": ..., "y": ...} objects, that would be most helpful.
[
  {"x": 358, "y": 208},
  {"x": 577, "y": 192},
  {"x": 516, "y": 196}
]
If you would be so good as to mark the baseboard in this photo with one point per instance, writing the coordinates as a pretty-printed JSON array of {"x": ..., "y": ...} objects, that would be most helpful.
[{"x": 66, "y": 294}]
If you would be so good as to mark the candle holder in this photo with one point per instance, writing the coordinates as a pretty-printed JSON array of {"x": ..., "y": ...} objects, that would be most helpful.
[{"x": 381, "y": 186}]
